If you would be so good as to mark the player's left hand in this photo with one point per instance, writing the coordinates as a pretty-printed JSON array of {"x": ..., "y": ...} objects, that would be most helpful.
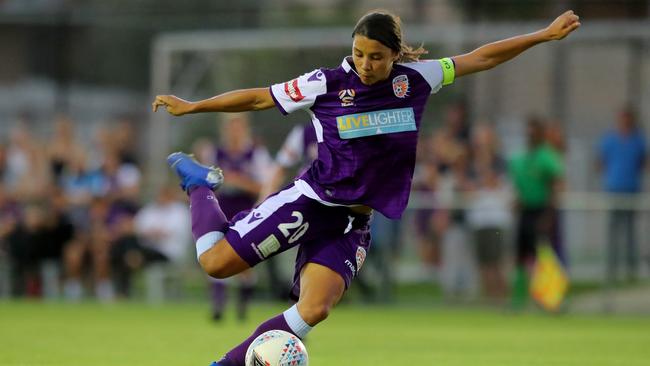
[
  {"x": 174, "y": 105},
  {"x": 563, "y": 25}
]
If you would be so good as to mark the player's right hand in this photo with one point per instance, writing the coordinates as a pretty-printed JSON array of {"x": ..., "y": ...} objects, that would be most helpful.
[
  {"x": 173, "y": 104},
  {"x": 563, "y": 25}
]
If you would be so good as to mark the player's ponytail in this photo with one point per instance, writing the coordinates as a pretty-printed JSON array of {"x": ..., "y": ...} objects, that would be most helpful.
[{"x": 386, "y": 28}]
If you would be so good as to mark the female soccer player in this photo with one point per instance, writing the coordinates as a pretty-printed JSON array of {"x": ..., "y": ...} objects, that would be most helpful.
[{"x": 366, "y": 114}]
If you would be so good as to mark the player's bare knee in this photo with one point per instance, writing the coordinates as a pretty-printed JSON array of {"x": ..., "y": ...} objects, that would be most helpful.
[
  {"x": 214, "y": 266},
  {"x": 314, "y": 314}
]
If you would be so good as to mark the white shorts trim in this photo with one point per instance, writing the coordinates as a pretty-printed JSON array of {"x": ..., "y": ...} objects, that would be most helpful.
[
  {"x": 265, "y": 210},
  {"x": 308, "y": 191}
]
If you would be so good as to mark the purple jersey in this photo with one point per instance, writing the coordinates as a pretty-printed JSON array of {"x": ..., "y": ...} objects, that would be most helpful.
[
  {"x": 253, "y": 163},
  {"x": 367, "y": 135}
]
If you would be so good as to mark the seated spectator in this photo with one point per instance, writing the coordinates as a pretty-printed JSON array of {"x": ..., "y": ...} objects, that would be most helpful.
[
  {"x": 159, "y": 232},
  {"x": 23, "y": 242},
  {"x": 163, "y": 226}
]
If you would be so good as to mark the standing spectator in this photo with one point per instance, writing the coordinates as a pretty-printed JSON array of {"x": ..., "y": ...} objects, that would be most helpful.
[
  {"x": 622, "y": 153},
  {"x": 246, "y": 165},
  {"x": 458, "y": 272},
  {"x": 489, "y": 212},
  {"x": 556, "y": 139},
  {"x": 536, "y": 175}
]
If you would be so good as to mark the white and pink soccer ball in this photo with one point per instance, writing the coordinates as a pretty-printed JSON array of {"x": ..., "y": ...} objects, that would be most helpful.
[{"x": 277, "y": 348}]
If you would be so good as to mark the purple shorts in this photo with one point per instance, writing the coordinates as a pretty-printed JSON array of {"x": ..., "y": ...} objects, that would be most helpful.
[{"x": 332, "y": 236}]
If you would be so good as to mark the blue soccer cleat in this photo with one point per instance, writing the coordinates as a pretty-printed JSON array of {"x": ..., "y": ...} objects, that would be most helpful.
[
  {"x": 222, "y": 362},
  {"x": 193, "y": 174}
]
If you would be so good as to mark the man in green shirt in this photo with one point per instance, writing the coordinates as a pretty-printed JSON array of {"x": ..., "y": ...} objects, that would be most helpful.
[{"x": 536, "y": 174}]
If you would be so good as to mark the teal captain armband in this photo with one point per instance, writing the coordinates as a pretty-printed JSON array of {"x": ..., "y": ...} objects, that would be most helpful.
[{"x": 448, "y": 70}]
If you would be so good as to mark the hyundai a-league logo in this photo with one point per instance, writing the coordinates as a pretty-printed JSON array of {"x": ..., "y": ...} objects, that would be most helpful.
[{"x": 401, "y": 86}]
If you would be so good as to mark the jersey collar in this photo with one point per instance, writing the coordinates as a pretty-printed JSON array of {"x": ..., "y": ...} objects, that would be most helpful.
[{"x": 347, "y": 65}]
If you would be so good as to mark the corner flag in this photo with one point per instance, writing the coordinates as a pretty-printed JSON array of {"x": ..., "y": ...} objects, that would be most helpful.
[{"x": 549, "y": 282}]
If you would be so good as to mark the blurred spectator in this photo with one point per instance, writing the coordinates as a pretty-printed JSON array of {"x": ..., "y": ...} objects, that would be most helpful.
[
  {"x": 123, "y": 246},
  {"x": 58, "y": 232},
  {"x": 23, "y": 243},
  {"x": 164, "y": 226},
  {"x": 36, "y": 247},
  {"x": 27, "y": 174},
  {"x": 102, "y": 145},
  {"x": 536, "y": 175},
  {"x": 245, "y": 166},
  {"x": 386, "y": 236},
  {"x": 456, "y": 123},
  {"x": 126, "y": 252},
  {"x": 62, "y": 149},
  {"x": 555, "y": 138},
  {"x": 3, "y": 162},
  {"x": 124, "y": 141},
  {"x": 9, "y": 218},
  {"x": 299, "y": 147},
  {"x": 622, "y": 152},
  {"x": 458, "y": 272},
  {"x": 428, "y": 232},
  {"x": 91, "y": 242},
  {"x": 17, "y": 156},
  {"x": 122, "y": 179},
  {"x": 203, "y": 150},
  {"x": 82, "y": 187},
  {"x": 489, "y": 212}
]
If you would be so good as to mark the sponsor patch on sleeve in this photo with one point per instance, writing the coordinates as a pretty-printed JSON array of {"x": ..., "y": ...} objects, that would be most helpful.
[{"x": 293, "y": 91}]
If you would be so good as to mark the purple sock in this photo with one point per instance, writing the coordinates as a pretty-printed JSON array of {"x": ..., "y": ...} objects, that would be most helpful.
[
  {"x": 208, "y": 220},
  {"x": 237, "y": 355},
  {"x": 207, "y": 215}
]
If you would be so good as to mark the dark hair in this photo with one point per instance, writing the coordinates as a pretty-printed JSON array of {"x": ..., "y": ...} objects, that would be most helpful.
[{"x": 386, "y": 28}]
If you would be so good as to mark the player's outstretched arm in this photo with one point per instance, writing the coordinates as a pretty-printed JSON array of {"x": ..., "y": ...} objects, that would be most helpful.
[
  {"x": 493, "y": 54},
  {"x": 235, "y": 101}
]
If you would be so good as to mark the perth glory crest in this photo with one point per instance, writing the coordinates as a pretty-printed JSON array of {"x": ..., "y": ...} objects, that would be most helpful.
[{"x": 401, "y": 86}]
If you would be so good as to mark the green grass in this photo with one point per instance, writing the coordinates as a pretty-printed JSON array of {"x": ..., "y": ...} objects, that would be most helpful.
[{"x": 135, "y": 334}]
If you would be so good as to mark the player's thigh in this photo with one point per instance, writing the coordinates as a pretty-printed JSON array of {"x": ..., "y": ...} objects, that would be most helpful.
[{"x": 281, "y": 222}]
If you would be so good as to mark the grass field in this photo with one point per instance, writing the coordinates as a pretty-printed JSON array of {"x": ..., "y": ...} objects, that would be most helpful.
[{"x": 135, "y": 334}]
